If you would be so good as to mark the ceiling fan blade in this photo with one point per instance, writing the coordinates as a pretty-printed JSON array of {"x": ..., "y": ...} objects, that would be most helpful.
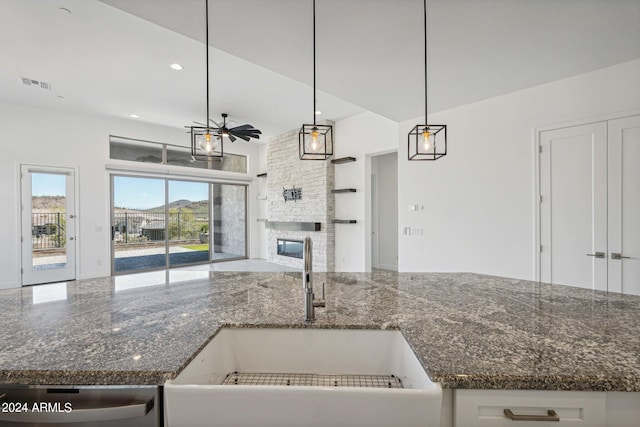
[
  {"x": 198, "y": 123},
  {"x": 246, "y": 138},
  {"x": 232, "y": 138},
  {"x": 215, "y": 123},
  {"x": 243, "y": 127},
  {"x": 248, "y": 131}
]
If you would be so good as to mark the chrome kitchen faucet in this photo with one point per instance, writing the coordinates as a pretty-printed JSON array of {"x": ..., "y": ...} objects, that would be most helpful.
[{"x": 310, "y": 303}]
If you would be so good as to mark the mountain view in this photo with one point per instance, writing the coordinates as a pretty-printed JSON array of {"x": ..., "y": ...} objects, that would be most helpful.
[
  {"x": 201, "y": 206},
  {"x": 47, "y": 203},
  {"x": 56, "y": 204}
]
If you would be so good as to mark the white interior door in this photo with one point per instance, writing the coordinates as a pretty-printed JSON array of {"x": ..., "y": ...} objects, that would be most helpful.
[
  {"x": 624, "y": 205},
  {"x": 573, "y": 207},
  {"x": 48, "y": 231}
]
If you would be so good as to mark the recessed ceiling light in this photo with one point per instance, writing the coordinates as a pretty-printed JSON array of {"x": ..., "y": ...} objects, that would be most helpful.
[
  {"x": 318, "y": 112},
  {"x": 135, "y": 116},
  {"x": 137, "y": 357},
  {"x": 176, "y": 67},
  {"x": 65, "y": 10}
]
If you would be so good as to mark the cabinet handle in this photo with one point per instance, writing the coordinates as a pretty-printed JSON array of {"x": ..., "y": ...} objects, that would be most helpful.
[{"x": 551, "y": 416}]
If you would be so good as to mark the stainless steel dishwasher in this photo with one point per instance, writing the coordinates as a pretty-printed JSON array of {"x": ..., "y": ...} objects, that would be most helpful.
[{"x": 80, "y": 406}]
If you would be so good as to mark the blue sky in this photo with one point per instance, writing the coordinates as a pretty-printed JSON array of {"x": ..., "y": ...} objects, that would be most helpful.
[
  {"x": 132, "y": 193},
  {"x": 45, "y": 184},
  {"x": 145, "y": 193}
]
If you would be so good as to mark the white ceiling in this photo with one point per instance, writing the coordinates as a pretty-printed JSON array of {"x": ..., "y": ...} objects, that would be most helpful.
[{"x": 112, "y": 57}]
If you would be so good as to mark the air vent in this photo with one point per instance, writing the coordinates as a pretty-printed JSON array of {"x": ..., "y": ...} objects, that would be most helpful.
[{"x": 36, "y": 83}]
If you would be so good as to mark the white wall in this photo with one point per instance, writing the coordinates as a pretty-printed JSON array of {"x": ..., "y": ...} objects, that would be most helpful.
[
  {"x": 479, "y": 200},
  {"x": 358, "y": 136},
  {"x": 45, "y": 137}
]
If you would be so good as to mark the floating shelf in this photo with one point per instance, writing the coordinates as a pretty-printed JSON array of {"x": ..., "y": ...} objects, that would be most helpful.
[
  {"x": 344, "y": 190},
  {"x": 293, "y": 225},
  {"x": 262, "y": 175},
  {"x": 344, "y": 221},
  {"x": 343, "y": 160}
]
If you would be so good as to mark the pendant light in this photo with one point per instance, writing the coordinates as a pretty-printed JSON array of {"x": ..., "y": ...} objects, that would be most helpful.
[
  {"x": 427, "y": 142},
  {"x": 315, "y": 142},
  {"x": 205, "y": 141}
]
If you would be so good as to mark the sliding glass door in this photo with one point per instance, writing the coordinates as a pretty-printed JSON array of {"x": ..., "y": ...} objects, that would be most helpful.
[
  {"x": 188, "y": 226},
  {"x": 159, "y": 223},
  {"x": 138, "y": 224}
]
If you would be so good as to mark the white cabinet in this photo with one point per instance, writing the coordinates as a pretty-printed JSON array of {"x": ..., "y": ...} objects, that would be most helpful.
[{"x": 478, "y": 408}]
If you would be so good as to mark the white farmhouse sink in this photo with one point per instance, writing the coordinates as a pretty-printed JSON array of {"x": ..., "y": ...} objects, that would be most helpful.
[{"x": 197, "y": 397}]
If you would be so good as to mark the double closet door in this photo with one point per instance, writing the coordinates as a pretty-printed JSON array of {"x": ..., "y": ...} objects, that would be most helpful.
[{"x": 590, "y": 205}]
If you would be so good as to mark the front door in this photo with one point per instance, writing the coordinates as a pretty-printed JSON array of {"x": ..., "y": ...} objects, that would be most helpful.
[{"x": 48, "y": 224}]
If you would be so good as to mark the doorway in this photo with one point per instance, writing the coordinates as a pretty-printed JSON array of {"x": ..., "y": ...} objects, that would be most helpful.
[
  {"x": 384, "y": 211},
  {"x": 48, "y": 223}
]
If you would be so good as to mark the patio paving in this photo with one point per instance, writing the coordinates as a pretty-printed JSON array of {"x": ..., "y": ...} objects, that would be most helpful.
[{"x": 152, "y": 258}]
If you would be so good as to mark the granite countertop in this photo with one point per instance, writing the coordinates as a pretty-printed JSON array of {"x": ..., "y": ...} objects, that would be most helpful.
[{"x": 468, "y": 330}]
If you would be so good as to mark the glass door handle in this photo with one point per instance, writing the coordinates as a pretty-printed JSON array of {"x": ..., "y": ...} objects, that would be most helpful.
[{"x": 598, "y": 255}]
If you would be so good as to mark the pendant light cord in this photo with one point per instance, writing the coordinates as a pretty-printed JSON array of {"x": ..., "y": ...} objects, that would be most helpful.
[
  {"x": 314, "y": 63},
  {"x": 206, "y": 45},
  {"x": 425, "y": 62}
]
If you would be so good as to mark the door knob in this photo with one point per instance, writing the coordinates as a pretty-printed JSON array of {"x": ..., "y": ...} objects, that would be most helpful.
[
  {"x": 615, "y": 255},
  {"x": 597, "y": 255}
]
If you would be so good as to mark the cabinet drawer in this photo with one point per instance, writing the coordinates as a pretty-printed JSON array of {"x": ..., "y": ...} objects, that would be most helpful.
[{"x": 478, "y": 408}]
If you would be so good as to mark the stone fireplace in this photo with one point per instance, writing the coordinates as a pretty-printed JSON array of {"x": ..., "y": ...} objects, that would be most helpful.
[{"x": 291, "y": 220}]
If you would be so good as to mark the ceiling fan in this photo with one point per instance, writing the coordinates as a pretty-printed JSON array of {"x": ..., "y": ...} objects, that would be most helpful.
[{"x": 245, "y": 132}]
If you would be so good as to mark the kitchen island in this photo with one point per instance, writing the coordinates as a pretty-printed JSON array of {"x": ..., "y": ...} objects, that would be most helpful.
[{"x": 470, "y": 331}]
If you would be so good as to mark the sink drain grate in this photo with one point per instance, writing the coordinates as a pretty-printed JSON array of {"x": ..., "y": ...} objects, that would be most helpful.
[{"x": 314, "y": 380}]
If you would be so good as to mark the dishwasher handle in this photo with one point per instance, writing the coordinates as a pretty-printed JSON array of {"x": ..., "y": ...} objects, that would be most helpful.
[{"x": 109, "y": 413}]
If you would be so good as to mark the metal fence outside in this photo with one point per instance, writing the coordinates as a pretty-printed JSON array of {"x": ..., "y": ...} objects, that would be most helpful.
[
  {"x": 143, "y": 227},
  {"x": 48, "y": 230}
]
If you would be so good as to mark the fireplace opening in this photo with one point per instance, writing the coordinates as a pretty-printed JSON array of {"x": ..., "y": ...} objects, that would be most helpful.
[{"x": 290, "y": 248}]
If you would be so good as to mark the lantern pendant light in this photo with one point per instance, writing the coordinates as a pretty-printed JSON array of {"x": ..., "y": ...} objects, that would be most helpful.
[
  {"x": 315, "y": 142},
  {"x": 206, "y": 143},
  {"x": 426, "y": 142}
]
